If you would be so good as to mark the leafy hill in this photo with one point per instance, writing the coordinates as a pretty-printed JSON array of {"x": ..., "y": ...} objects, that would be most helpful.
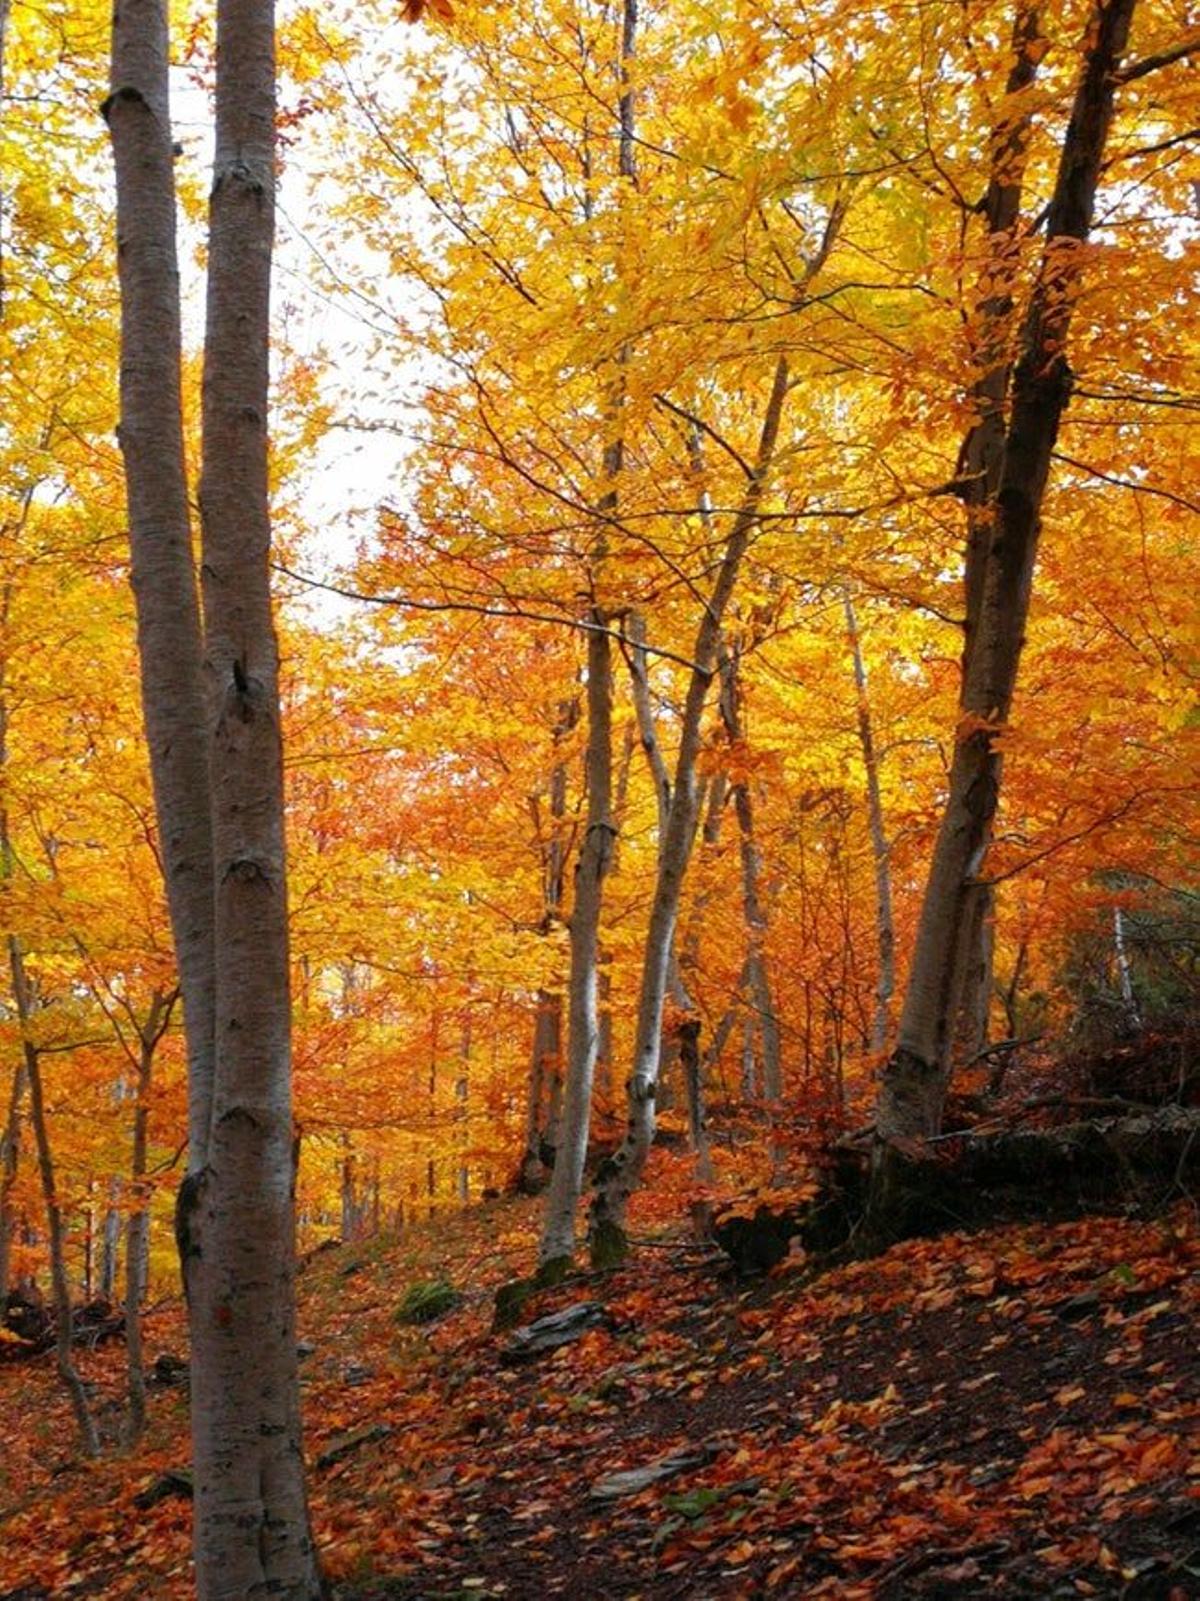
[{"x": 1012, "y": 1413}]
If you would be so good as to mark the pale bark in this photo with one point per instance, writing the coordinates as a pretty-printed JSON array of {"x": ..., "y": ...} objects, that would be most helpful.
[
  {"x": 56, "y": 1240},
  {"x": 885, "y": 926},
  {"x": 216, "y": 761},
  {"x": 583, "y": 1031},
  {"x": 757, "y": 972},
  {"x": 137, "y": 1235},
  {"x": 595, "y": 856},
  {"x": 110, "y": 1241},
  {"x": 1124, "y": 970},
  {"x": 620, "y": 1174},
  {"x": 544, "y": 1106},
  {"x": 161, "y": 567},
  {"x": 913, "y": 1088}
]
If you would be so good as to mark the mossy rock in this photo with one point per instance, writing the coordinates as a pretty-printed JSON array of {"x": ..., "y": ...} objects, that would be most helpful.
[
  {"x": 511, "y": 1301},
  {"x": 425, "y": 1303},
  {"x": 608, "y": 1245},
  {"x": 554, "y": 1272}
]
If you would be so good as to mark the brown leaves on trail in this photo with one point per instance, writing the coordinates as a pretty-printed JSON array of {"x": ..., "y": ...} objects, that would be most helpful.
[{"x": 1008, "y": 1414}]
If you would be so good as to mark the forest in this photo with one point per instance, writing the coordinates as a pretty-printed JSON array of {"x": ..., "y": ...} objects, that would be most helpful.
[{"x": 598, "y": 829}]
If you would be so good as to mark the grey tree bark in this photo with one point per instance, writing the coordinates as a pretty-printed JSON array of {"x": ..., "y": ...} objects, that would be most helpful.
[
  {"x": 583, "y": 1027},
  {"x": 137, "y": 1236},
  {"x": 213, "y": 730},
  {"x": 619, "y": 1174},
  {"x": 912, "y": 1091},
  {"x": 56, "y": 1234},
  {"x": 757, "y": 972},
  {"x": 885, "y": 926},
  {"x": 595, "y": 856}
]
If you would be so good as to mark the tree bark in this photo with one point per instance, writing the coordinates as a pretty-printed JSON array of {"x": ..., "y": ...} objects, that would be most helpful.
[
  {"x": 583, "y": 1030},
  {"x": 619, "y": 1175},
  {"x": 67, "y": 1370},
  {"x": 137, "y": 1235},
  {"x": 912, "y": 1092},
  {"x": 980, "y": 464},
  {"x": 216, "y": 761},
  {"x": 758, "y": 977},
  {"x": 543, "y": 1113},
  {"x": 160, "y": 539},
  {"x": 885, "y": 926}
]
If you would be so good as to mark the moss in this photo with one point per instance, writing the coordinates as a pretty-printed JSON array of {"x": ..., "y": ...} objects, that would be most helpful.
[
  {"x": 425, "y": 1303},
  {"x": 511, "y": 1301},
  {"x": 609, "y": 1244},
  {"x": 554, "y": 1272}
]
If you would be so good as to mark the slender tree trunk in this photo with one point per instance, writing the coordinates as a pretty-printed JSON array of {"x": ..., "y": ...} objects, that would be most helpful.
[
  {"x": 595, "y": 856},
  {"x": 912, "y": 1092},
  {"x": 885, "y": 926},
  {"x": 583, "y": 1033},
  {"x": 1129, "y": 1003},
  {"x": 110, "y": 1241},
  {"x": 758, "y": 977},
  {"x": 164, "y": 585},
  {"x": 544, "y": 1109},
  {"x": 137, "y": 1235},
  {"x": 619, "y": 1175},
  {"x": 54, "y": 1222},
  {"x": 10, "y": 1152}
]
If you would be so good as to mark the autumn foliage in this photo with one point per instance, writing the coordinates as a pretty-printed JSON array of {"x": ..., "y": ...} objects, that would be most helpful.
[{"x": 539, "y": 286}]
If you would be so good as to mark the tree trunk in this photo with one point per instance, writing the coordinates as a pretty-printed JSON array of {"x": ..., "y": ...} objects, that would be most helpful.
[
  {"x": 54, "y": 1222},
  {"x": 137, "y": 1235},
  {"x": 758, "y": 978},
  {"x": 885, "y": 927},
  {"x": 912, "y": 1092},
  {"x": 10, "y": 1152},
  {"x": 164, "y": 583},
  {"x": 110, "y": 1241},
  {"x": 583, "y": 1032},
  {"x": 980, "y": 463},
  {"x": 619, "y": 1175},
  {"x": 218, "y": 791},
  {"x": 545, "y": 1064}
]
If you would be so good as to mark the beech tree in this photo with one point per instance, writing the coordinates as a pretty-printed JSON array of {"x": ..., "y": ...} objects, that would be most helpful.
[
  {"x": 212, "y": 722},
  {"x": 1005, "y": 495}
]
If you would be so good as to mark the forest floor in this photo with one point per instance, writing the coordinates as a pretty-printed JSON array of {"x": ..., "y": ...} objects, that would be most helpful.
[{"x": 1013, "y": 1413}]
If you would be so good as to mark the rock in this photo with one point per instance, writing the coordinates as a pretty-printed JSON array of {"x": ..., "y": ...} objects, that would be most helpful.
[
  {"x": 304, "y": 1348},
  {"x": 510, "y": 1302},
  {"x": 346, "y": 1444},
  {"x": 632, "y": 1481},
  {"x": 559, "y": 1328},
  {"x": 169, "y": 1369},
  {"x": 355, "y": 1374},
  {"x": 755, "y": 1244},
  {"x": 175, "y": 1482}
]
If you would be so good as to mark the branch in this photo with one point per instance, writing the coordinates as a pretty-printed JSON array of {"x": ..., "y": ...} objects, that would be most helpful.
[
  {"x": 1128, "y": 483},
  {"x": 478, "y": 608},
  {"x": 1164, "y": 58}
]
